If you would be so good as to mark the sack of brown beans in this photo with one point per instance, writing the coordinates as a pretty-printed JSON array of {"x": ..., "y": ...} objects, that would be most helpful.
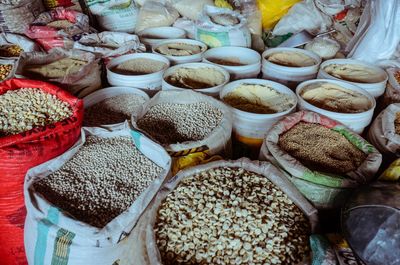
[
  {"x": 12, "y": 45},
  {"x": 384, "y": 132},
  {"x": 7, "y": 69},
  {"x": 323, "y": 158},
  {"x": 110, "y": 44},
  {"x": 192, "y": 127},
  {"x": 86, "y": 202},
  {"x": 228, "y": 212},
  {"x": 392, "y": 92},
  {"x": 16, "y": 15},
  {"x": 51, "y": 28},
  {"x": 78, "y": 72},
  {"x": 38, "y": 121}
]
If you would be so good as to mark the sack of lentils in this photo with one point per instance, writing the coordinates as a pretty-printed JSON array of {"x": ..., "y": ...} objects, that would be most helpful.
[
  {"x": 384, "y": 132},
  {"x": 12, "y": 45},
  {"x": 323, "y": 158},
  {"x": 58, "y": 28},
  {"x": 85, "y": 203},
  {"x": 192, "y": 127},
  {"x": 76, "y": 71},
  {"x": 16, "y": 15},
  {"x": 38, "y": 121},
  {"x": 229, "y": 212}
]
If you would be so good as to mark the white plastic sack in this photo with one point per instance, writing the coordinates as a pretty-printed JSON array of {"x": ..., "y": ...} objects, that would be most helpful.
[
  {"x": 216, "y": 35},
  {"x": 110, "y": 44},
  {"x": 23, "y": 42},
  {"x": 52, "y": 237},
  {"x": 115, "y": 15},
  {"x": 378, "y": 35},
  {"x": 17, "y": 15},
  {"x": 189, "y": 8},
  {"x": 187, "y": 25},
  {"x": 195, "y": 152},
  {"x": 152, "y": 255},
  {"x": 156, "y": 14},
  {"x": 325, "y": 47},
  {"x": 333, "y": 7},
  {"x": 303, "y": 16}
]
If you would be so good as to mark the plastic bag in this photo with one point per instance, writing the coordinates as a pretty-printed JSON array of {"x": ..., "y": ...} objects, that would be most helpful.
[
  {"x": 378, "y": 35},
  {"x": 382, "y": 133},
  {"x": 392, "y": 173},
  {"x": 214, "y": 34},
  {"x": 272, "y": 11},
  {"x": 24, "y": 43},
  {"x": 155, "y": 14},
  {"x": 115, "y": 15},
  {"x": 80, "y": 83},
  {"x": 48, "y": 227},
  {"x": 70, "y": 4},
  {"x": 23, "y": 151},
  {"x": 191, "y": 9},
  {"x": 195, "y": 152},
  {"x": 323, "y": 190},
  {"x": 303, "y": 16},
  {"x": 15, "y": 18},
  {"x": 325, "y": 47},
  {"x": 152, "y": 255}
]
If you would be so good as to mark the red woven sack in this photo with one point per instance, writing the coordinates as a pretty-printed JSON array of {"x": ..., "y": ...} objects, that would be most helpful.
[{"x": 20, "y": 152}]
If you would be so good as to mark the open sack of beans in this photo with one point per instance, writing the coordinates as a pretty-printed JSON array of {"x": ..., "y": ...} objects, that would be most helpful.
[
  {"x": 38, "y": 121},
  {"x": 58, "y": 28},
  {"x": 228, "y": 212},
  {"x": 110, "y": 44},
  {"x": 7, "y": 69},
  {"x": 392, "y": 92},
  {"x": 323, "y": 158},
  {"x": 86, "y": 202},
  {"x": 12, "y": 45},
  {"x": 16, "y": 15},
  {"x": 384, "y": 132},
  {"x": 78, "y": 72},
  {"x": 192, "y": 127}
]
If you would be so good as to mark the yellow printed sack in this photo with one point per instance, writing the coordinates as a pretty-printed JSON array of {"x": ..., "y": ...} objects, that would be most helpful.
[{"x": 272, "y": 11}]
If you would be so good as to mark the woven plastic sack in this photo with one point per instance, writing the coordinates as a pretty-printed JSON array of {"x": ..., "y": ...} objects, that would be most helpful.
[
  {"x": 53, "y": 237},
  {"x": 392, "y": 92},
  {"x": 216, "y": 35},
  {"x": 151, "y": 255},
  {"x": 156, "y": 14},
  {"x": 81, "y": 83},
  {"x": 72, "y": 4},
  {"x": 382, "y": 133},
  {"x": 23, "y": 42},
  {"x": 22, "y": 151},
  {"x": 15, "y": 16},
  {"x": 191, "y": 153},
  {"x": 323, "y": 190},
  {"x": 190, "y": 9},
  {"x": 110, "y": 44},
  {"x": 272, "y": 11},
  {"x": 114, "y": 15}
]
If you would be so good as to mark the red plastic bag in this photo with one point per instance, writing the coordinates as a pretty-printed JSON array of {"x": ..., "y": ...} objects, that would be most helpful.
[{"x": 20, "y": 152}]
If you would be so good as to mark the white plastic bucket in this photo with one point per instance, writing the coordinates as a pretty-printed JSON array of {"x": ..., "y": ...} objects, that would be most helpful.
[
  {"x": 250, "y": 129},
  {"x": 355, "y": 121},
  {"x": 289, "y": 76},
  {"x": 212, "y": 91},
  {"x": 183, "y": 59},
  {"x": 249, "y": 57},
  {"x": 153, "y": 36},
  {"x": 375, "y": 89},
  {"x": 150, "y": 83}
]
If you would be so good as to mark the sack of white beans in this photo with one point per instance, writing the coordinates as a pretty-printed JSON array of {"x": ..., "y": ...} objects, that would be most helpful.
[
  {"x": 83, "y": 205},
  {"x": 192, "y": 127},
  {"x": 228, "y": 212}
]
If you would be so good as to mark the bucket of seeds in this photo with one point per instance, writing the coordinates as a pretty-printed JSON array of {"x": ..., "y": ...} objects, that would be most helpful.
[
  {"x": 90, "y": 198},
  {"x": 229, "y": 212},
  {"x": 192, "y": 127},
  {"x": 112, "y": 105},
  {"x": 206, "y": 78},
  {"x": 324, "y": 159}
]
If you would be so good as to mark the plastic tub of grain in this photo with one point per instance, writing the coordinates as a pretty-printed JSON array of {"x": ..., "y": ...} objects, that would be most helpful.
[
  {"x": 180, "y": 51},
  {"x": 238, "y": 61},
  {"x": 201, "y": 77},
  {"x": 289, "y": 66},
  {"x": 140, "y": 70},
  {"x": 112, "y": 105},
  {"x": 153, "y": 36},
  {"x": 367, "y": 76},
  {"x": 256, "y": 105},
  {"x": 338, "y": 100}
]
